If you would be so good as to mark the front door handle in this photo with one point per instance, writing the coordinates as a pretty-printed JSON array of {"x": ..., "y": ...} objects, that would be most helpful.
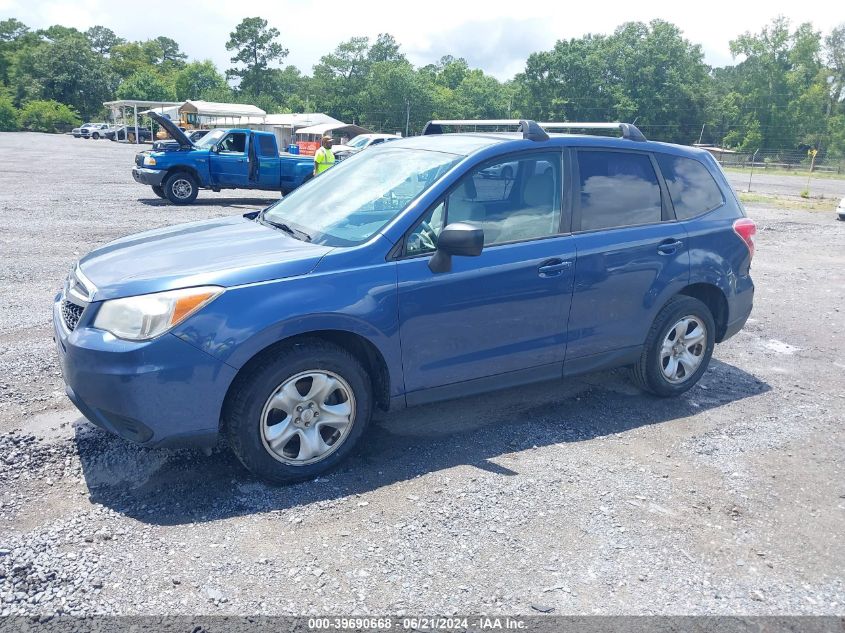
[
  {"x": 669, "y": 247},
  {"x": 553, "y": 267}
]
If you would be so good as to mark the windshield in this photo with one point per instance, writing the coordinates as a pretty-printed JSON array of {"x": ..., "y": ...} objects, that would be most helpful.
[
  {"x": 358, "y": 141},
  {"x": 354, "y": 199},
  {"x": 211, "y": 138}
]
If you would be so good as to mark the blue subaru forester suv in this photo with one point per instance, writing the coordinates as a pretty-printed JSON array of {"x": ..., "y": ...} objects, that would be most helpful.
[{"x": 412, "y": 272}]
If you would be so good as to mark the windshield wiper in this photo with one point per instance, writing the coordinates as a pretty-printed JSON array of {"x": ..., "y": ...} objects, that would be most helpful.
[{"x": 300, "y": 235}]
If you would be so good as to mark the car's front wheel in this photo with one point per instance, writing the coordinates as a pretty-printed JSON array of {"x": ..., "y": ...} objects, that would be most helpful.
[
  {"x": 95, "y": 136},
  {"x": 678, "y": 347},
  {"x": 180, "y": 188},
  {"x": 299, "y": 411}
]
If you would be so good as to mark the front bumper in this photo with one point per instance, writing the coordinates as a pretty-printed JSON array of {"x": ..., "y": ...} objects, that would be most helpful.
[
  {"x": 152, "y": 177},
  {"x": 162, "y": 393}
]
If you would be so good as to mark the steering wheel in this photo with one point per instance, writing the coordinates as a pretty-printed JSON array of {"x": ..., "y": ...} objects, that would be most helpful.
[{"x": 428, "y": 236}]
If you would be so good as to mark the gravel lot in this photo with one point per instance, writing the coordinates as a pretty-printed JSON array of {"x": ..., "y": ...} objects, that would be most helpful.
[{"x": 582, "y": 497}]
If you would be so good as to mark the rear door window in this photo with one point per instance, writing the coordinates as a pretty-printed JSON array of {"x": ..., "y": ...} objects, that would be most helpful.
[
  {"x": 617, "y": 189},
  {"x": 691, "y": 186}
]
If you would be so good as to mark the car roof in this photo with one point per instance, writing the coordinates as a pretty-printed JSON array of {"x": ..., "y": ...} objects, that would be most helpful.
[{"x": 468, "y": 143}]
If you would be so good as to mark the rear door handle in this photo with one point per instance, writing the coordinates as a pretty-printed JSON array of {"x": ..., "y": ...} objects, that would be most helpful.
[
  {"x": 669, "y": 247},
  {"x": 553, "y": 267}
]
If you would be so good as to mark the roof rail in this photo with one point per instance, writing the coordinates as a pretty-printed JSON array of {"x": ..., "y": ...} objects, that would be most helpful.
[
  {"x": 533, "y": 130},
  {"x": 530, "y": 130},
  {"x": 629, "y": 131}
]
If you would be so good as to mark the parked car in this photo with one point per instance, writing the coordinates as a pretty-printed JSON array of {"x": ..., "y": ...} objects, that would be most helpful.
[
  {"x": 127, "y": 133},
  {"x": 77, "y": 131},
  {"x": 840, "y": 210},
  {"x": 90, "y": 130},
  {"x": 192, "y": 135},
  {"x": 401, "y": 277},
  {"x": 222, "y": 159},
  {"x": 361, "y": 142}
]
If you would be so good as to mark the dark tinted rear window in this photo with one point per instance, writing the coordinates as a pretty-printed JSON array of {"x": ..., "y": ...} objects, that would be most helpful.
[
  {"x": 691, "y": 187},
  {"x": 617, "y": 189},
  {"x": 266, "y": 146}
]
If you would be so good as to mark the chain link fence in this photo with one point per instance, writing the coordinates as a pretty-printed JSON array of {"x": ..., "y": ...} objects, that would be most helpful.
[{"x": 798, "y": 161}]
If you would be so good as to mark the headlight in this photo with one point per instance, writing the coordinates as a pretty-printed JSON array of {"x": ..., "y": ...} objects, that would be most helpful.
[
  {"x": 149, "y": 160},
  {"x": 148, "y": 316}
]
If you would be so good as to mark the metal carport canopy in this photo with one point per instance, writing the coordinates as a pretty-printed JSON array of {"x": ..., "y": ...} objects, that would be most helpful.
[
  {"x": 121, "y": 105},
  {"x": 340, "y": 128}
]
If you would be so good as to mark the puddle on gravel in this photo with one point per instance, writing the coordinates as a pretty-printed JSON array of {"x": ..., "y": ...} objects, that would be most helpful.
[{"x": 779, "y": 347}]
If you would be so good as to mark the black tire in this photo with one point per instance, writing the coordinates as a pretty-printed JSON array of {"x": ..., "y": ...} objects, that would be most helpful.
[
  {"x": 648, "y": 372},
  {"x": 245, "y": 405},
  {"x": 95, "y": 136},
  {"x": 159, "y": 191},
  {"x": 180, "y": 188}
]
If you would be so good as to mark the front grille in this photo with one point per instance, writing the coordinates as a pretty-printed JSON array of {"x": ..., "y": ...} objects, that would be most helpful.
[{"x": 71, "y": 313}]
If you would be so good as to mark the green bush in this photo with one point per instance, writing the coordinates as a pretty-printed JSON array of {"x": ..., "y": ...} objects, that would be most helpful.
[
  {"x": 48, "y": 116},
  {"x": 8, "y": 115}
]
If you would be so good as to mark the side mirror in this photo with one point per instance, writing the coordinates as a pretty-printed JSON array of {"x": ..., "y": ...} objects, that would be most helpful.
[
  {"x": 459, "y": 238},
  {"x": 214, "y": 149}
]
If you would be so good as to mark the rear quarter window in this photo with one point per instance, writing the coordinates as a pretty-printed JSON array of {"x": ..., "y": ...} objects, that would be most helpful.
[
  {"x": 266, "y": 146},
  {"x": 691, "y": 186}
]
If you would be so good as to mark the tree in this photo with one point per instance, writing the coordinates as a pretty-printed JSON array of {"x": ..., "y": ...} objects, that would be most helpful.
[
  {"x": 256, "y": 48},
  {"x": 103, "y": 39},
  {"x": 11, "y": 32},
  {"x": 776, "y": 79},
  {"x": 834, "y": 48},
  {"x": 48, "y": 116},
  {"x": 64, "y": 70},
  {"x": 145, "y": 85},
  {"x": 8, "y": 115},
  {"x": 340, "y": 78},
  {"x": 200, "y": 80},
  {"x": 385, "y": 49},
  {"x": 171, "y": 56}
]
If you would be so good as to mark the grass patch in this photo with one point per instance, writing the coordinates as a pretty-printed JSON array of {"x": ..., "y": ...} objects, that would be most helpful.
[
  {"x": 774, "y": 171},
  {"x": 788, "y": 202}
]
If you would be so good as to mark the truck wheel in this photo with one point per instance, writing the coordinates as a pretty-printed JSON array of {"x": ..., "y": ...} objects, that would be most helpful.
[
  {"x": 677, "y": 349},
  {"x": 131, "y": 137},
  {"x": 180, "y": 188},
  {"x": 299, "y": 411},
  {"x": 159, "y": 191},
  {"x": 96, "y": 136}
]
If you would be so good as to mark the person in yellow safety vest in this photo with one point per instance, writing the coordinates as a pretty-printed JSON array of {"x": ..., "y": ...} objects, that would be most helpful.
[{"x": 323, "y": 158}]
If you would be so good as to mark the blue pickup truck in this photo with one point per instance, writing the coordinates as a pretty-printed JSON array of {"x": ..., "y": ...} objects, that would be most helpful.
[{"x": 222, "y": 159}]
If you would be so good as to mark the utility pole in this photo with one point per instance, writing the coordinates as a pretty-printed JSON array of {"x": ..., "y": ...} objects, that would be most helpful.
[
  {"x": 407, "y": 116},
  {"x": 700, "y": 136}
]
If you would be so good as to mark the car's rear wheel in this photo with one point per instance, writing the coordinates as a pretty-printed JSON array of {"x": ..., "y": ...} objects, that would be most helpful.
[
  {"x": 180, "y": 188},
  {"x": 299, "y": 411},
  {"x": 677, "y": 349},
  {"x": 159, "y": 191}
]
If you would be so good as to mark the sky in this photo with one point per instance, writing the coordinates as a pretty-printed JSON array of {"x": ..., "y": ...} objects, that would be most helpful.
[{"x": 493, "y": 35}]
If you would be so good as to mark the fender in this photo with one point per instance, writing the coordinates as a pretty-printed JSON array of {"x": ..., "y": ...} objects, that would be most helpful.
[{"x": 361, "y": 300}]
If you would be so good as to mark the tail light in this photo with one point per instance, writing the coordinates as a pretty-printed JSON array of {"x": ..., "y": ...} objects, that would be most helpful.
[{"x": 746, "y": 228}]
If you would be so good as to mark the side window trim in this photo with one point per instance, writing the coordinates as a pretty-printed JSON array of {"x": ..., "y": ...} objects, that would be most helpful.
[
  {"x": 565, "y": 202},
  {"x": 666, "y": 213}
]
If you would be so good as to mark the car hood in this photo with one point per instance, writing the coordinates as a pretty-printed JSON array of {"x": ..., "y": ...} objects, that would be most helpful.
[
  {"x": 175, "y": 133},
  {"x": 225, "y": 252}
]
